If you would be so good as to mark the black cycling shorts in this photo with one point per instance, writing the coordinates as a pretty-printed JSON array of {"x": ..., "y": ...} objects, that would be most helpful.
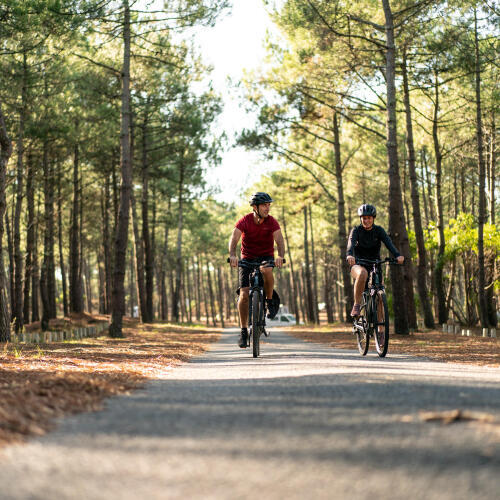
[{"x": 244, "y": 273}]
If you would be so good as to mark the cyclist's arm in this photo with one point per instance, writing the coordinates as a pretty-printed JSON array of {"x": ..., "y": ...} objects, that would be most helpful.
[
  {"x": 233, "y": 242},
  {"x": 280, "y": 242},
  {"x": 350, "y": 247}
]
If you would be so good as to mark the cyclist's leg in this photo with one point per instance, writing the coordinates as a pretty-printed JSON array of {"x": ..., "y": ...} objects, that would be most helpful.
[
  {"x": 360, "y": 275},
  {"x": 267, "y": 274},
  {"x": 244, "y": 280},
  {"x": 243, "y": 306}
]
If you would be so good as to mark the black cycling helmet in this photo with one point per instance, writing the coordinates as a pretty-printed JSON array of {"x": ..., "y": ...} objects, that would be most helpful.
[
  {"x": 366, "y": 209},
  {"x": 259, "y": 198}
]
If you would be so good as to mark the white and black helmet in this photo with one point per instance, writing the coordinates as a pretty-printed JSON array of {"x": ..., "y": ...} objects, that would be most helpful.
[
  {"x": 367, "y": 209},
  {"x": 260, "y": 198}
]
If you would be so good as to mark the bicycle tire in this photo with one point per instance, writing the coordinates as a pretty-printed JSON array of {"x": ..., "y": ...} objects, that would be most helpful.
[
  {"x": 362, "y": 336},
  {"x": 381, "y": 337},
  {"x": 256, "y": 323}
]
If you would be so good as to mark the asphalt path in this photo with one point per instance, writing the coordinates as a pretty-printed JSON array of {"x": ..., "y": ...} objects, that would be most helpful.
[{"x": 301, "y": 421}]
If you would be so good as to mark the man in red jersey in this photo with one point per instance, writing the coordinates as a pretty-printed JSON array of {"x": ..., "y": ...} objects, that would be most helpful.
[{"x": 260, "y": 230}]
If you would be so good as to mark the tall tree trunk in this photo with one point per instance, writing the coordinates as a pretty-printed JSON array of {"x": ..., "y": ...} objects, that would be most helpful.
[
  {"x": 423, "y": 182},
  {"x": 106, "y": 247},
  {"x": 211, "y": 293},
  {"x": 35, "y": 275},
  {"x": 397, "y": 227},
  {"x": 492, "y": 168},
  {"x": 309, "y": 292},
  {"x": 203, "y": 290},
  {"x": 417, "y": 221},
  {"x": 88, "y": 284},
  {"x": 314, "y": 270},
  {"x": 178, "y": 261},
  {"x": 483, "y": 306},
  {"x": 12, "y": 264},
  {"x": 102, "y": 284},
  {"x": 47, "y": 280},
  {"x": 221, "y": 296},
  {"x": 60, "y": 241},
  {"x": 295, "y": 289},
  {"x": 30, "y": 236},
  {"x": 139, "y": 264},
  {"x": 189, "y": 291},
  {"x": 328, "y": 288},
  {"x": 18, "y": 256},
  {"x": 197, "y": 286},
  {"x": 342, "y": 234},
  {"x": 148, "y": 250},
  {"x": 121, "y": 238},
  {"x": 75, "y": 285},
  {"x": 438, "y": 271},
  {"x": 154, "y": 269},
  {"x": 5, "y": 152},
  {"x": 131, "y": 287},
  {"x": 428, "y": 186},
  {"x": 163, "y": 271},
  {"x": 491, "y": 261}
]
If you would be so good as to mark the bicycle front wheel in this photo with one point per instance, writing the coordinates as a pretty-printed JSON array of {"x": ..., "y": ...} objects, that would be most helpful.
[
  {"x": 361, "y": 329},
  {"x": 256, "y": 323},
  {"x": 381, "y": 316}
]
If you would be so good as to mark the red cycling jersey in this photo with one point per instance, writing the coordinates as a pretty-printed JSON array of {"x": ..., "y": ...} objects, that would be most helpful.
[{"x": 257, "y": 239}]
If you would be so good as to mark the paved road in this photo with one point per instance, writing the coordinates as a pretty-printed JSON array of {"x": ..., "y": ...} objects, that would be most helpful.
[{"x": 303, "y": 421}]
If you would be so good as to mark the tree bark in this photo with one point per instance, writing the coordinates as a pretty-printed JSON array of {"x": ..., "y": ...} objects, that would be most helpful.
[
  {"x": 417, "y": 221},
  {"x": 18, "y": 256},
  {"x": 75, "y": 285},
  {"x": 309, "y": 292},
  {"x": 35, "y": 275},
  {"x": 121, "y": 239},
  {"x": 60, "y": 241},
  {"x": 30, "y": 236},
  {"x": 438, "y": 271},
  {"x": 88, "y": 284},
  {"x": 5, "y": 152},
  {"x": 342, "y": 234},
  {"x": 12, "y": 264},
  {"x": 148, "y": 250},
  {"x": 397, "y": 227},
  {"x": 221, "y": 296},
  {"x": 178, "y": 262},
  {"x": 314, "y": 271},
  {"x": 483, "y": 306},
  {"x": 106, "y": 247},
  {"x": 197, "y": 287},
  {"x": 47, "y": 280},
  {"x": 139, "y": 263},
  {"x": 295, "y": 290},
  {"x": 211, "y": 293}
]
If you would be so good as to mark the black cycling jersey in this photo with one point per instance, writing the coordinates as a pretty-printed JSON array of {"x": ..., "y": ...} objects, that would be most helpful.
[{"x": 365, "y": 244}]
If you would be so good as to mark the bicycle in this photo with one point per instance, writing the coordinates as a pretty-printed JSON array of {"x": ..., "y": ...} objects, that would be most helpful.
[
  {"x": 256, "y": 303},
  {"x": 373, "y": 320}
]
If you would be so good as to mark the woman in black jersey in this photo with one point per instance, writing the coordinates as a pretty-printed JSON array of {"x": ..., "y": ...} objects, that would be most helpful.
[{"x": 364, "y": 243}]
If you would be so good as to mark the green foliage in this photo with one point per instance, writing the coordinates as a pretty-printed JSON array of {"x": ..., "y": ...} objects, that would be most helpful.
[{"x": 461, "y": 235}]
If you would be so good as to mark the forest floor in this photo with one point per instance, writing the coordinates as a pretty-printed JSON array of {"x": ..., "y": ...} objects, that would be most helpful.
[
  {"x": 39, "y": 383},
  {"x": 430, "y": 344}
]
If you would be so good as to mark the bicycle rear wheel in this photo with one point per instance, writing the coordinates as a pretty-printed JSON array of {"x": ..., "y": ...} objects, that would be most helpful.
[
  {"x": 381, "y": 318},
  {"x": 361, "y": 329},
  {"x": 256, "y": 323}
]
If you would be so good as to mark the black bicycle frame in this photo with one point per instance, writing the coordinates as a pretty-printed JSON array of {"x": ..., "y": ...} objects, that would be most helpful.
[
  {"x": 256, "y": 286},
  {"x": 373, "y": 284}
]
